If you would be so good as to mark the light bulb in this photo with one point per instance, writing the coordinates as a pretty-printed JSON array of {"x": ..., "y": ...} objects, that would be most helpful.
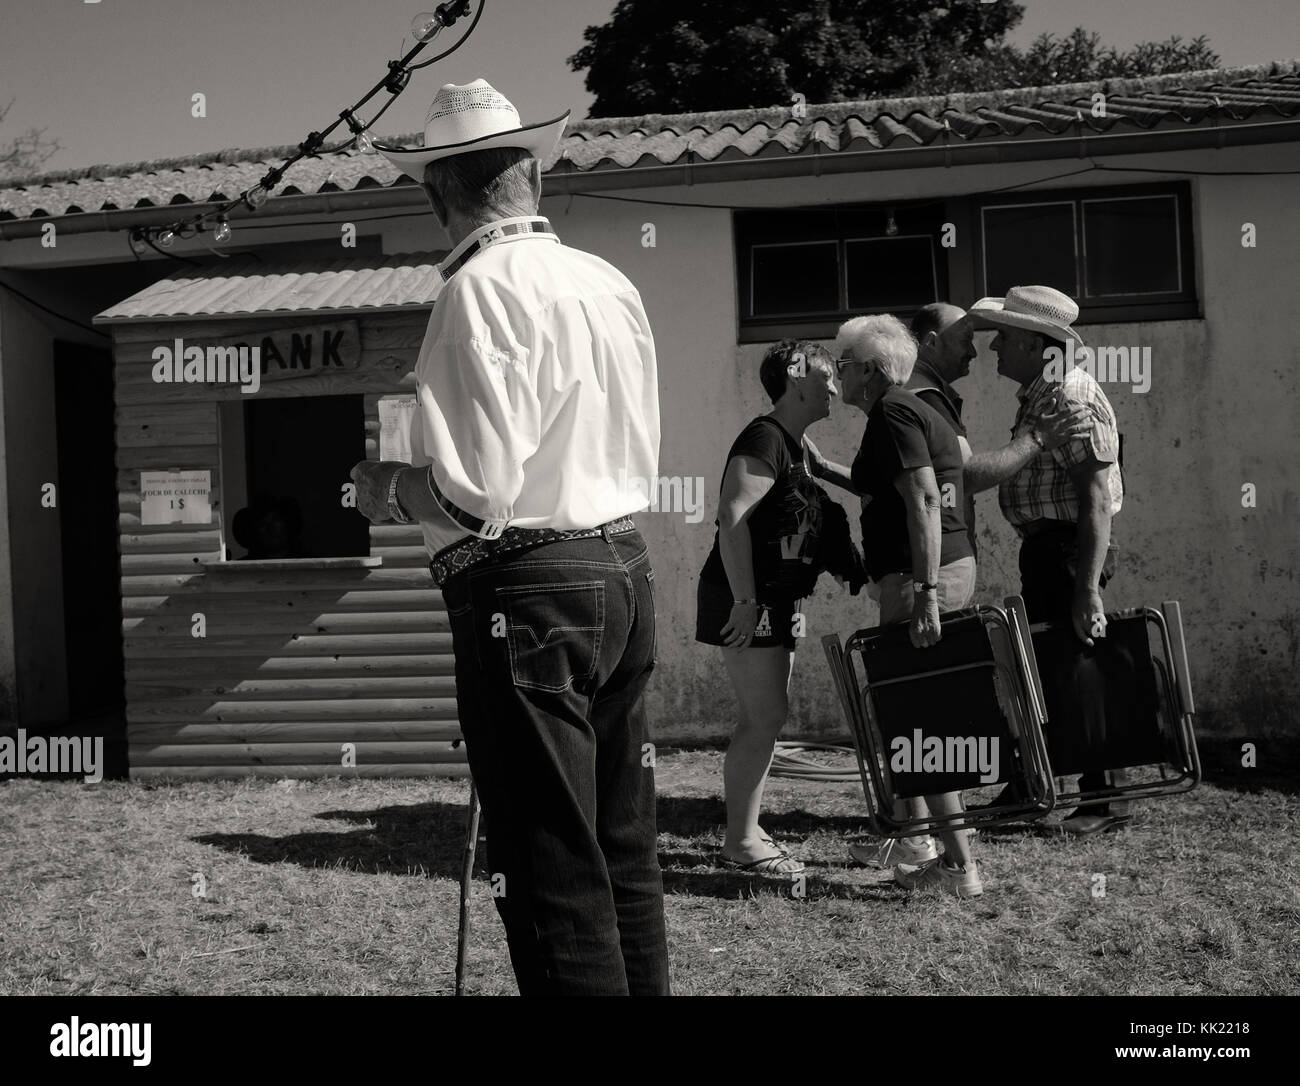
[
  {"x": 166, "y": 238},
  {"x": 221, "y": 232},
  {"x": 425, "y": 26},
  {"x": 365, "y": 144},
  {"x": 257, "y": 196}
]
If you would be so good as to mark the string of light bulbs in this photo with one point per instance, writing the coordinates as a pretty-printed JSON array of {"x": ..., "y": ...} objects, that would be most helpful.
[{"x": 424, "y": 27}]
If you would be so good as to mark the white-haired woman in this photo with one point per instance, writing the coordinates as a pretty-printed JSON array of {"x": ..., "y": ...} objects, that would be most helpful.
[{"x": 909, "y": 471}]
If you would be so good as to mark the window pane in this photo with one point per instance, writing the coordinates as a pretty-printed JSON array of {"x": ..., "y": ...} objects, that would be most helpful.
[
  {"x": 1030, "y": 244},
  {"x": 890, "y": 273},
  {"x": 795, "y": 279},
  {"x": 1131, "y": 246},
  {"x": 298, "y": 448}
]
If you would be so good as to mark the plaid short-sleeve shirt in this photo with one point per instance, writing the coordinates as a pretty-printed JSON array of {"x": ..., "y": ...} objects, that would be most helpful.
[{"x": 1043, "y": 489}]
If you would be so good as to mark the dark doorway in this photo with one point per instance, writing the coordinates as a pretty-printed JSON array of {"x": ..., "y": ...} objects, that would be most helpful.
[
  {"x": 299, "y": 450},
  {"x": 92, "y": 603}
]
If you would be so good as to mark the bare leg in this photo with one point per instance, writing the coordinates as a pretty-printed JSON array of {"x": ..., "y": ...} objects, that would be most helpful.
[
  {"x": 956, "y": 843},
  {"x": 761, "y": 679}
]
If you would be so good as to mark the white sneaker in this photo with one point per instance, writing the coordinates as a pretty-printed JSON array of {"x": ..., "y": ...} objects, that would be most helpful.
[
  {"x": 936, "y": 875},
  {"x": 905, "y": 850}
]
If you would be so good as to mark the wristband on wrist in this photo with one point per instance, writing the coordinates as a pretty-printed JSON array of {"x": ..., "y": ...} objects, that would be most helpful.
[
  {"x": 922, "y": 586},
  {"x": 395, "y": 509},
  {"x": 754, "y": 602}
]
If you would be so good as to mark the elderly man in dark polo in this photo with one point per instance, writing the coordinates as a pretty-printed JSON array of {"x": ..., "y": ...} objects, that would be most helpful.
[
  {"x": 538, "y": 400},
  {"x": 945, "y": 339},
  {"x": 1061, "y": 504}
]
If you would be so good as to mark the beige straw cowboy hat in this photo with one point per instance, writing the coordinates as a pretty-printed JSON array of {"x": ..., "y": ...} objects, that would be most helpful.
[
  {"x": 473, "y": 117},
  {"x": 1039, "y": 309}
]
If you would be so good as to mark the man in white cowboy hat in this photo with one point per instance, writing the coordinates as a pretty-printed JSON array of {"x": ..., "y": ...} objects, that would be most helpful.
[
  {"x": 1061, "y": 504},
  {"x": 537, "y": 385}
]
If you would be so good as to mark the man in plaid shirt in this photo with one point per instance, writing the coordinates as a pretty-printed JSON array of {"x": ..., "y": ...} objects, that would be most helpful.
[{"x": 1061, "y": 504}]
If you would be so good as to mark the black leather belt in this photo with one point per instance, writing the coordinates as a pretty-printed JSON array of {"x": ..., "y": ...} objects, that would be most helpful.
[{"x": 470, "y": 551}]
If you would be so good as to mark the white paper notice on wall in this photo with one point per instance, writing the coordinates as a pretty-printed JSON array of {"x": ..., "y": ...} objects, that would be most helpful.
[
  {"x": 395, "y": 416},
  {"x": 176, "y": 497}
]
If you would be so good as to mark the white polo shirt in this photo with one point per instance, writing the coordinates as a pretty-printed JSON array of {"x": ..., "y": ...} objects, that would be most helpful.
[{"x": 538, "y": 397}]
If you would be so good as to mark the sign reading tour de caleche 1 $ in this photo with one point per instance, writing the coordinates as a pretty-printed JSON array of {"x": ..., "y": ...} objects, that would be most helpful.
[
  {"x": 305, "y": 351},
  {"x": 176, "y": 497}
]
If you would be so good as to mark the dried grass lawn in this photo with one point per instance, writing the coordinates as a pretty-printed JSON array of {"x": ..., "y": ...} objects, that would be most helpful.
[{"x": 350, "y": 887}]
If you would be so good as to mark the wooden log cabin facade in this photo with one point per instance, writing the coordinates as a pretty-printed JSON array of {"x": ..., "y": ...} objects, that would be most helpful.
[{"x": 339, "y": 663}]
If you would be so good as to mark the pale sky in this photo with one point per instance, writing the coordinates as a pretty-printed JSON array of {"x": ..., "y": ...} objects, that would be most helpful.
[{"x": 113, "y": 80}]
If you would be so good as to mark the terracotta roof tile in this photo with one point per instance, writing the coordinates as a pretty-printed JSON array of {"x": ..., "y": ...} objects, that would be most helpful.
[{"x": 622, "y": 142}]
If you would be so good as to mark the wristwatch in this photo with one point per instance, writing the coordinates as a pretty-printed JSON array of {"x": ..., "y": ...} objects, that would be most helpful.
[
  {"x": 922, "y": 586},
  {"x": 395, "y": 509}
]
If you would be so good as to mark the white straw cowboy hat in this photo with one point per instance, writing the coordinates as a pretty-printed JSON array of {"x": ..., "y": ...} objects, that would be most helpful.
[
  {"x": 1039, "y": 309},
  {"x": 474, "y": 117}
]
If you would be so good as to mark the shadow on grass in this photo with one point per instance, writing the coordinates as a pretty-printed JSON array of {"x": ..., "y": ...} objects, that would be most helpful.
[
  {"x": 702, "y": 816},
  {"x": 424, "y": 839},
  {"x": 427, "y": 840},
  {"x": 690, "y": 872},
  {"x": 731, "y": 885}
]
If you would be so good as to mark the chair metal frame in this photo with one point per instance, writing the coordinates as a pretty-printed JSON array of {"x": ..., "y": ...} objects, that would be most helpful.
[
  {"x": 1175, "y": 691},
  {"x": 1024, "y": 707}
]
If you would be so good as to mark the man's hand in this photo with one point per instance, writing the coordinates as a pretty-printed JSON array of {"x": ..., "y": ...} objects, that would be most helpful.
[
  {"x": 371, "y": 478},
  {"x": 1068, "y": 421},
  {"x": 1088, "y": 615},
  {"x": 924, "y": 628}
]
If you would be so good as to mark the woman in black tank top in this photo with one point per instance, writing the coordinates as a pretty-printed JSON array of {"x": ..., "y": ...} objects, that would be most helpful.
[{"x": 752, "y": 585}]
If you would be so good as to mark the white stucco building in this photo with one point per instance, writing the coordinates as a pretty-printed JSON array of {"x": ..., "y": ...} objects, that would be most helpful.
[{"x": 1169, "y": 207}]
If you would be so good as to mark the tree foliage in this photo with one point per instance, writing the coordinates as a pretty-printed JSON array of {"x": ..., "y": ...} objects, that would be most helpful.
[
  {"x": 27, "y": 152},
  {"x": 686, "y": 56}
]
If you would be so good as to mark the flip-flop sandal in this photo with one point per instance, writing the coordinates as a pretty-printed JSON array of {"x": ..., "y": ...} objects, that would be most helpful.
[
  {"x": 780, "y": 848},
  {"x": 780, "y": 864}
]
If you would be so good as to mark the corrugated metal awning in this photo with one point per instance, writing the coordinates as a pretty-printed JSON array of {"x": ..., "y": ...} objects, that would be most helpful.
[{"x": 253, "y": 288}]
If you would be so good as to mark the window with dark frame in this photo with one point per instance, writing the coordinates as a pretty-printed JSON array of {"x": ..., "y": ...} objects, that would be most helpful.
[
  {"x": 805, "y": 271},
  {"x": 1124, "y": 253},
  {"x": 1131, "y": 246}
]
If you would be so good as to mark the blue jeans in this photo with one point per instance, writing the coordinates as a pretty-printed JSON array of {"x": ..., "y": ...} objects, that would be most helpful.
[{"x": 554, "y": 647}]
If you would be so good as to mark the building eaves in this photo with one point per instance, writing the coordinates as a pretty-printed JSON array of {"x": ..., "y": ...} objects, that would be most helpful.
[{"x": 1186, "y": 100}]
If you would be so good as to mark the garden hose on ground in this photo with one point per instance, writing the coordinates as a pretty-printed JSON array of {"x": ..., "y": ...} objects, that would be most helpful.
[{"x": 786, "y": 763}]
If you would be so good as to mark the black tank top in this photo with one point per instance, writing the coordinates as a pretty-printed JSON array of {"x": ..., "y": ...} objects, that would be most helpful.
[{"x": 785, "y": 526}]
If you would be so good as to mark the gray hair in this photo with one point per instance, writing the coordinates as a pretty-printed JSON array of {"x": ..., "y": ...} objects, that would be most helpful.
[
  {"x": 892, "y": 343},
  {"x": 484, "y": 185}
]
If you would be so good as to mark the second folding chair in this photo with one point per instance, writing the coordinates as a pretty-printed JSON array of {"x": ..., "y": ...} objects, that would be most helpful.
[{"x": 966, "y": 713}]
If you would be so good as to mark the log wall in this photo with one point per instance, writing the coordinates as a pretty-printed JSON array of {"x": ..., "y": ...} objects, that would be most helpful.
[{"x": 295, "y": 662}]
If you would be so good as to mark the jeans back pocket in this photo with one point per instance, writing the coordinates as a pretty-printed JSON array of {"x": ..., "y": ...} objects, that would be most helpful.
[{"x": 554, "y": 633}]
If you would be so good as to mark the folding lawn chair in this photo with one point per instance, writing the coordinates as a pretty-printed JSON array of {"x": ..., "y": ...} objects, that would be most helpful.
[
  {"x": 1148, "y": 699},
  {"x": 976, "y": 690}
]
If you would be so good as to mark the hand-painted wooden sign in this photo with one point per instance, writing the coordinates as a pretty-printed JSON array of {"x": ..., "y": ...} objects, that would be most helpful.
[{"x": 307, "y": 351}]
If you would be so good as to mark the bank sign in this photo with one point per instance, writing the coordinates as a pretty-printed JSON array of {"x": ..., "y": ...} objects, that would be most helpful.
[{"x": 306, "y": 351}]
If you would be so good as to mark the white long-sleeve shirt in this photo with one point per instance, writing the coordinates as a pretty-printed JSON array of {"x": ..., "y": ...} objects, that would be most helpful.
[{"x": 538, "y": 398}]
